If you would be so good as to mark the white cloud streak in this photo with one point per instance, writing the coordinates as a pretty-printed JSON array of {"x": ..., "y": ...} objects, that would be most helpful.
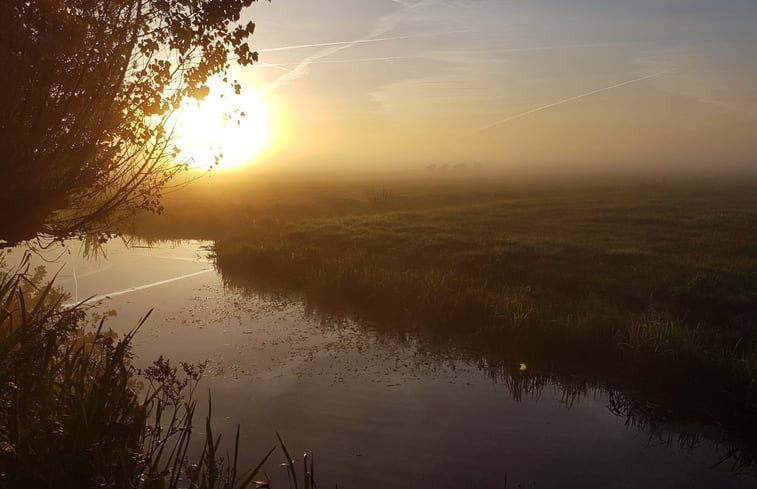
[
  {"x": 566, "y": 100},
  {"x": 130, "y": 290},
  {"x": 284, "y": 66},
  {"x": 383, "y": 25},
  {"x": 358, "y": 41}
]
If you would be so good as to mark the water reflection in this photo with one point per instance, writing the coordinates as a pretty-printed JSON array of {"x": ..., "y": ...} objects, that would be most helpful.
[
  {"x": 386, "y": 405},
  {"x": 681, "y": 418}
]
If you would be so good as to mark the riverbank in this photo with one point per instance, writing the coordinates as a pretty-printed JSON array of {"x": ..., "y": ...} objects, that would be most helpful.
[{"x": 654, "y": 285}]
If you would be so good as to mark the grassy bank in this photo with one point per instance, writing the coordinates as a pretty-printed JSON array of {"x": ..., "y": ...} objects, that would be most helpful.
[{"x": 656, "y": 285}]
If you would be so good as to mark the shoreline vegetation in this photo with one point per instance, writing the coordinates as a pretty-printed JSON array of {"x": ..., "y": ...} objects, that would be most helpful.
[
  {"x": 74, "y": 412},
  {"x": 652, "y": 287},
  {"x": 645, "y": 291}
]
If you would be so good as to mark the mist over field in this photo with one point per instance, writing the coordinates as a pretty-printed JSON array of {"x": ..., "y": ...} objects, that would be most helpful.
[
  {"x": 397, "y": 243},
  {"x": 590, "y": 85}
]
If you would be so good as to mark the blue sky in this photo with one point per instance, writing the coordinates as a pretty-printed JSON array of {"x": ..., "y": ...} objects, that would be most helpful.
[{"x": 668, "y": 84}]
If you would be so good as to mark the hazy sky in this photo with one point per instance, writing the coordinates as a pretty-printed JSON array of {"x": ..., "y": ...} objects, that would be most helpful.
[{"x": 666, "y": 84}]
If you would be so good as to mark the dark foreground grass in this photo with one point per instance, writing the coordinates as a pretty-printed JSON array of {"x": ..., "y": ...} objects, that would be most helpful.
[
  {"x": 655, "y": 286},
  {"x": 74, "y": 413}
]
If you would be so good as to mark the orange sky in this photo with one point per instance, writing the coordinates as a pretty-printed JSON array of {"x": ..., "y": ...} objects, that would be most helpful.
[{"x": 610, "y": 84}]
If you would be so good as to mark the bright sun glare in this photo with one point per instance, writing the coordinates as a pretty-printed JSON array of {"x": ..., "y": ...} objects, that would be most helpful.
[{"x": 236, "y": 126}]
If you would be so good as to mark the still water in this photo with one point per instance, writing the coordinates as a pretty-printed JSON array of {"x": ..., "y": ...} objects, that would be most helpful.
[{"x": 376, "y": 412}]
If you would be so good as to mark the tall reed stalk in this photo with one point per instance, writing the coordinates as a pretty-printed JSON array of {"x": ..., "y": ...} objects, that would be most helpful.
[{"x": 75, "y": 412}]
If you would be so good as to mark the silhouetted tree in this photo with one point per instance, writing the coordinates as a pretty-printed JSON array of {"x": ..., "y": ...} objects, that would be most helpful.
[{"x": 86, "y": 87}]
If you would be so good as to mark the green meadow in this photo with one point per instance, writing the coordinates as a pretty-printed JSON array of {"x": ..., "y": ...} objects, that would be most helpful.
[{"x": 646, "y": 284}]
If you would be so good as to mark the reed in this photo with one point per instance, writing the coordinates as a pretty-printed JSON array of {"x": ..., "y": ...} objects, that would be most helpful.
[{"x": 74, "y": 412}]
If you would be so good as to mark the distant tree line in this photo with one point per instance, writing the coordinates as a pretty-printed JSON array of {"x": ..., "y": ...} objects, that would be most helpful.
[{"x": 454, "y": 167}]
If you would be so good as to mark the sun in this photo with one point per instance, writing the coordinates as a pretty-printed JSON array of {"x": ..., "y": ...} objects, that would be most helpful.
[{"x": 236, "y": 127}]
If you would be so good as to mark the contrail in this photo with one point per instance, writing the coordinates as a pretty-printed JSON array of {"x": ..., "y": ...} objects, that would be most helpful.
[
  {"x": 282, "y": 66},
  {"x": 178, "y": 258},
  {"x": 137, "y": 288},
  {"x": 333, "y": 48},
  {"x": 278, "y": 66},
  {"x": 565, "y": 101},
  {"x": 560, "y": 46},
  {"x": 384, "y": 24},
  {"x": 358, "y": 41},
  {"x": 111, "y": 265}
]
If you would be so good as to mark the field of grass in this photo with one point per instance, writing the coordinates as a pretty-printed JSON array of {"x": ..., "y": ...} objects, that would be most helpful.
[{"x": 653, "y": 285}]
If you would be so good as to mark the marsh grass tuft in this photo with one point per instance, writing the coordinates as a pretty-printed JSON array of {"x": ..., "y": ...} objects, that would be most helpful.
[{"x": 74, "y": 412}]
